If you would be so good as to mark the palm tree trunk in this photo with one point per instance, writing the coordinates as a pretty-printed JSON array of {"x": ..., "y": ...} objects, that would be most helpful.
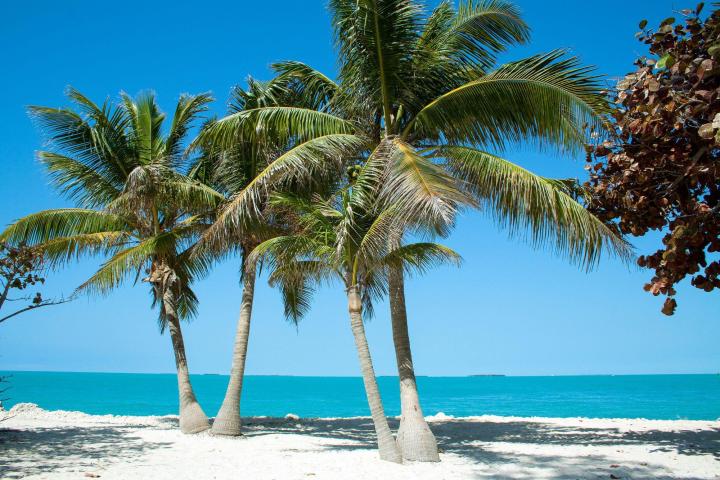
[
  {"x": 192, "y": 417},
  {"x": 228, "y": 419},
  {"x": 386, "y": 442},
  {"x": 414, "y": 437}
]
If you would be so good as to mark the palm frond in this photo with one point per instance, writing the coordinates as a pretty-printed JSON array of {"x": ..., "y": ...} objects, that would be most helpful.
[
  {"x": 396, "y": 175},
  {"x": 296, "y": 282},
  {"x": 188, "y": 109},
  {"x": 48, "y": 225},
  {"x": 375, "y": 39},
  {"x": 418, "y": 258},
  {"x": 547, "y": 98},
  {"x": 483, "y": 28},
  {"x": 145, "y": 136},
  {"x": 521, "y": 202},
  {"x": 311, "y": 88},
  {"x": 85, "y": 185},
  {"x": 308, "y": 162},
  {"x": 96, "y": 139},
  {"x": 61, "y": 250},
  {"x": 277, "y": 123},
  {"x": 129, "y": 261}
]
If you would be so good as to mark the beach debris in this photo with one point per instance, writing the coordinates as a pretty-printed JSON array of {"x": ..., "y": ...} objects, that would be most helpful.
[
  {"x": 612, "y": 475},
  {"x": 614, "y": 465},
  {"x": 292, "y": 417},
  {"x": 92, "y": 475}
]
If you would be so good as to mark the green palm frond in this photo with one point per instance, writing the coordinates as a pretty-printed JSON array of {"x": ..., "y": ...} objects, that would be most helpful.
[
  {"x": 418, "y": 258},
  {"x": 188, "y": 110},
  {"x": 61, "y": 250},
  {"x": 259, "y": 94},
  {"x": 61, "y": 223},
  {"x": 79, "y": 182},
  {"x": 524, "y": 202},
  {"x": 130, "y": 261},
  {"x": 198, "y": 262},
  {"x": 396, "y": 175},
  {"x": 375, "y": 241},
  {"x": 421, "y": 189},
  {"x": 374, "y": 38},
  {"x": 547, "y": 98},
  {"x": 189, "y": 196},
  {"x": 483, "y": 28},
  {"x": 308, "y": 162},
  {"x": 277, "y": 123},
  {"x": 311, "y": 88},
  {"x": 297, "y": 281},
  {"x": 455, "y": 47},
  {"x": 145, "y": 136},
  {"x": 96, "y": 141}
]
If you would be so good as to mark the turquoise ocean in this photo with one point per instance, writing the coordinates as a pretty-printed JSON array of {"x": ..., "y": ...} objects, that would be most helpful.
[{"x": 694, "y": 397}]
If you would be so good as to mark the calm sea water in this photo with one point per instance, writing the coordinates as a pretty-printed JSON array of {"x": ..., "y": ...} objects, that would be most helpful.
[{"x": 638, "y": 396}]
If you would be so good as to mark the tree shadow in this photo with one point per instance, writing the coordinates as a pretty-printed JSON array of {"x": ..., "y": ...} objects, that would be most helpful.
[
  {"x": 469, "y": 439},
  {"x": 45, "y": 450},
  {"x": 466, "y": 444}
]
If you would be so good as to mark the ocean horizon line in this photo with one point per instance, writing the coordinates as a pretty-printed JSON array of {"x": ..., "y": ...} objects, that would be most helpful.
[{"x": 477, "y": 375}]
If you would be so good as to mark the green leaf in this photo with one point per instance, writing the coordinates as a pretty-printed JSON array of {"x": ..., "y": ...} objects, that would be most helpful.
[{"x": 667, "y": 61}]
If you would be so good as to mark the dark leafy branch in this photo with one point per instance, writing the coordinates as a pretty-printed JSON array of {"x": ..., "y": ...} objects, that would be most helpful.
[
  {"x": 20, "y": 268},
  {"x": 661, "y": 169}
]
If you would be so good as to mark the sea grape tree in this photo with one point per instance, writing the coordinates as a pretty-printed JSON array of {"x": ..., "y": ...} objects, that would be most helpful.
[
  {"x": 660, "y": 169},
  {"x": 20, "y": 270}
]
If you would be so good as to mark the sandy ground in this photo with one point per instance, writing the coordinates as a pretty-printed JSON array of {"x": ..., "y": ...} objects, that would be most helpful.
[{"x": 36, "y": 444}]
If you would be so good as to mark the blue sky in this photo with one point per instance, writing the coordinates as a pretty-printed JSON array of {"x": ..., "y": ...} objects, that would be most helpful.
[{"x": 509, "y": 309}]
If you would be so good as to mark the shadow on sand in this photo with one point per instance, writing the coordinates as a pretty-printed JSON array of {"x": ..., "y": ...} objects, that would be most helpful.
[
  {"x": 465, "y": 438},
  {"x": 43, "y": 450}
]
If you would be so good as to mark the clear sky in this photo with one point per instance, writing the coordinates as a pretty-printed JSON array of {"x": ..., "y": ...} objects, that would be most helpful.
[{"x": 508, "y": 310}]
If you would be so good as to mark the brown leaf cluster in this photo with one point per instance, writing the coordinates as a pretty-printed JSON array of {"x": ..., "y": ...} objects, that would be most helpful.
[{"x": 660, "y": 170}]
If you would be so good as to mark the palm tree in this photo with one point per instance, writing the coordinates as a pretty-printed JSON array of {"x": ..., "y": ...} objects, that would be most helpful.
[
  {"x": 133, "y": 207},
  {"x": 345, "y": 237},
  {"x": 427, "y": 86},
  {"x": 247, "y": 168}
]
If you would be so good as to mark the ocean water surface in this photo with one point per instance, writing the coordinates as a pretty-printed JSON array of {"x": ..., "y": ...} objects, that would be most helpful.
[{"x": 694, "y": 397}]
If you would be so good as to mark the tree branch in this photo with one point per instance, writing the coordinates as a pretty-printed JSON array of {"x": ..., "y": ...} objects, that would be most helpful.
[{"x": 33, "y": 307}]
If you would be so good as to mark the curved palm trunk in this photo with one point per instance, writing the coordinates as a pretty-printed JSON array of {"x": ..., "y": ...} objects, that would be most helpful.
[
  {"x": 414, "y": 437},
  {"x": 228, "y": 421},
  {"x": 192, "y": 417},
  {"x": 386, "y": 442}
]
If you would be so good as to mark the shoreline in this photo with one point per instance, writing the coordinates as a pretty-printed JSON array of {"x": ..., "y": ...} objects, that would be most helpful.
[
  {"x": 22, "y": 407},
  {"x": 65, "y": 445}
]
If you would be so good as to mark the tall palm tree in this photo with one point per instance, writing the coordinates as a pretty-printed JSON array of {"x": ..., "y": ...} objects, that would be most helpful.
[
  {"x": 133, "y": 208},
  {"x": 248, "y": 168},
  {"x": 427, "y": 86},
  {"x": 344, "y": 237}
]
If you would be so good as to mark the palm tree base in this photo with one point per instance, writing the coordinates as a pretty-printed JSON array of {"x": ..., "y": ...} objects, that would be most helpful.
[
  {"x": 227, "y": 425},
  {"x": 390, "y": 452},
  {"x": 193, "y": 419},
  {"x": 417, "y": 443}
]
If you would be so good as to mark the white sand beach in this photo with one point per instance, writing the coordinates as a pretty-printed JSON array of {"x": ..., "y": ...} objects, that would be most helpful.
[{"x": 39, "y": 444}]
